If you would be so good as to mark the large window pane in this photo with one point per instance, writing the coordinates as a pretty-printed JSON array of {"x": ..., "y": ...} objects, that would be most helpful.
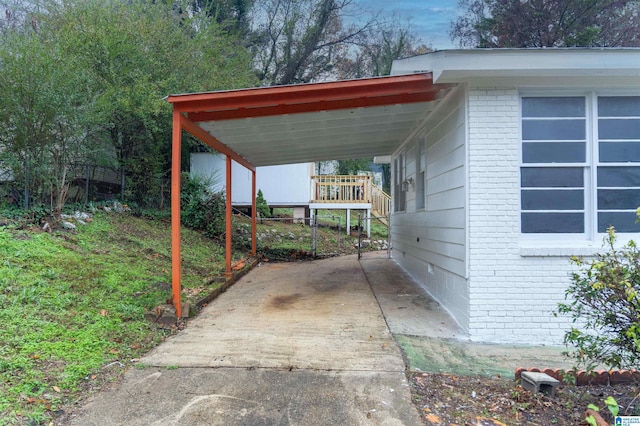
[
  {"x": 554, "y": 223},
  {"x": 622, "y": 221},
  {"x": 553, "y": 107},
  {"x": 553, "y": 152},
  {"x": 619, "y": 106},
  {"x": 552, "y": 199},
  {"x": 553, "y": 130},
  {"x": 618, "y": 199},
  {"x": 622, "y": 152},
  {"x": 610, "y": 128},
  {"x": 612, "y": 177},
  {"x": 551, "y": 177}
]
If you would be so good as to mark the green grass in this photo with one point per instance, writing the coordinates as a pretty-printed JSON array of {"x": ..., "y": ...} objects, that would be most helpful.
[{"x": 72, "y": 302}]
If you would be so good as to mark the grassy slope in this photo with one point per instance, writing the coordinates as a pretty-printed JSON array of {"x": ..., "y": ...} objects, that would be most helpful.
[{"x": 72, "y": 302}]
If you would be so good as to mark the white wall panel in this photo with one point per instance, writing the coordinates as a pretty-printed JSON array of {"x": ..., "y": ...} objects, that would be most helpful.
[
  {"x": 281, "y": 185},
  {"x": 431, "y": 243}
]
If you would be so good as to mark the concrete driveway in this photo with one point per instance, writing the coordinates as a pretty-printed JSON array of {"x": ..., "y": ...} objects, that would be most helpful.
[{"x": 289, "y": 344}]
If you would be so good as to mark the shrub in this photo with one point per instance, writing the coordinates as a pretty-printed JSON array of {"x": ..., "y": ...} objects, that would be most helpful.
[
  {"x": 603, "y": 301},
  {"x": 200, "y": 208},
  {"x": 262, "y": 206}
]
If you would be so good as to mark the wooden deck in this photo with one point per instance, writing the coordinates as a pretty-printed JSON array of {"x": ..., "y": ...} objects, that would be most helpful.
[{"x": 352, "y": 190}]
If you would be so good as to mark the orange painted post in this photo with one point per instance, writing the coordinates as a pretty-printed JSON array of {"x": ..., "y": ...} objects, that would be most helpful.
[
  {"x": 228, "y": 218},
  {"x": 253, "y": 213},
  {"x": 176, "y": 143}
]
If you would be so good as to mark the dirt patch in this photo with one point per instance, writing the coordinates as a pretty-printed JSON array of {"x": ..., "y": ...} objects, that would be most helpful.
[{"x": 446, "y": 399}]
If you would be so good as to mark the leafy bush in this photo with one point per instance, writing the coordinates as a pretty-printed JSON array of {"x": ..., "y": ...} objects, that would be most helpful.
[
  {"x": 603, "y": 301},
  {"x": 262, "y": 206},
  {"x": 200, "y": 208}
]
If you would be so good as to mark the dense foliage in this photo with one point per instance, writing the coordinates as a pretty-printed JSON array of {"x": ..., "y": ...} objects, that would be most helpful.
[
  {"x": 88, "y": 80},
  {"x": 603, "y": 301},
  {"x": 201, "y": 208},
  {"x": 87, "y": 118},
  {"x": 547, "y": 23}
]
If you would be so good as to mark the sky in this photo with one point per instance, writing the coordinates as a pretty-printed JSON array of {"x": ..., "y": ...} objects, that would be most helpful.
[{"x": 430, "y": 19}]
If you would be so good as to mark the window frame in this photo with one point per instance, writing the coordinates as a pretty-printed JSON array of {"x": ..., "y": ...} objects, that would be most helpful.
[
  {"x": 399, "y": 196},
  {"x": 421, "y": 172},
  {"x": 590, "y": 166}
]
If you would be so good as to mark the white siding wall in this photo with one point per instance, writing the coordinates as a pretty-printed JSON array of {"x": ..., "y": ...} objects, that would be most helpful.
[
  {"x": 430, "y": 243},
  {"x": 281, "y": 185},
  {"x": 512, "y": 296}
]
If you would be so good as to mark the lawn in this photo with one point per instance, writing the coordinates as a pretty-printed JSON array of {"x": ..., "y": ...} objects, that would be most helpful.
[{"x": 72, "y": 302}]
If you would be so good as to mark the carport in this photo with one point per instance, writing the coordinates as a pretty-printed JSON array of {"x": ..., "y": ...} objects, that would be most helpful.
[{"x": 293, "y": 124}]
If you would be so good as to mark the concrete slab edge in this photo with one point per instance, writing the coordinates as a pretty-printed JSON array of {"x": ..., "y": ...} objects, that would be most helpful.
[{"x": 251, "y": 263}]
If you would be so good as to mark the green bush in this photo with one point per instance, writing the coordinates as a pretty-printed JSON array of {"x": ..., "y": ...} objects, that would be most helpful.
[
  {"x": 200, "y": 208},
  {"x": 603, "y": 301},
  {"x": 262, "y": 206}
]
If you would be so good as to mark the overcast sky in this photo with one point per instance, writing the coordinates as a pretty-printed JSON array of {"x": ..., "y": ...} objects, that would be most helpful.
[{"x": 430, "y": 19}]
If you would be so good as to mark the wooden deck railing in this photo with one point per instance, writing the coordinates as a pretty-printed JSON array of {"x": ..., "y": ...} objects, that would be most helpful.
[
  {"x": 340, "y": 189},
  {"x": 351, "y": 190},
  {"x": 380, "y": 201}
]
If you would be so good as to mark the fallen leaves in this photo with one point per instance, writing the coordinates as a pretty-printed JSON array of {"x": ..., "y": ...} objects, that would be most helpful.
[
  {"x": 430, "y": 417},
  {"x": 39, "y": 401},
  {"x": 446, "y": 399}
]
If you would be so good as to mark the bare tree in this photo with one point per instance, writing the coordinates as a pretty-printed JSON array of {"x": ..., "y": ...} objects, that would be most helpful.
[
  {"x": 299, "y": 41},
  {"x": 547, "y": 23},
  {"x": 378, "y": 47}
]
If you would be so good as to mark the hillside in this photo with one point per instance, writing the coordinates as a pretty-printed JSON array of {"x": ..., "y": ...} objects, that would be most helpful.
[{"x": 72, "y": 302}]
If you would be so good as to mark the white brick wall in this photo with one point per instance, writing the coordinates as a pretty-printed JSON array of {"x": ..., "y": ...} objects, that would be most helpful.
[{"x": 512, "y": 296}]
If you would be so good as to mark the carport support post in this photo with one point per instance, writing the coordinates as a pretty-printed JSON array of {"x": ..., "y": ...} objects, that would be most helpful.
[
  {"x": 253, "y": 213},
  {"x": 176, "y": 143},
  {"x": 348, "y": 224},
  {"x": 228, "y": 219},
  {"x": 368, "y": 223}
]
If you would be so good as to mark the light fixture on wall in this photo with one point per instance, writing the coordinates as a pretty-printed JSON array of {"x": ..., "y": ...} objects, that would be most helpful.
[{"x": 407, "y": 184}]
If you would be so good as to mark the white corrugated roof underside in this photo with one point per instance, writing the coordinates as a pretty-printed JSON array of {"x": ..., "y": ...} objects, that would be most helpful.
[{"x": 320, "y": 136}]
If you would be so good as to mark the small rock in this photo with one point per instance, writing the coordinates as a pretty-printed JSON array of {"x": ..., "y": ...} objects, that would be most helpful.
[
  {"x": 150, "y": 316},
  {"x": 68, "y": 225},
  {"x": 82, "y": 215}
]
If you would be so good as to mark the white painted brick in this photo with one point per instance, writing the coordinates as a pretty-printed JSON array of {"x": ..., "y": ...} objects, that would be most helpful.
[{"x": 512, "y": 298}]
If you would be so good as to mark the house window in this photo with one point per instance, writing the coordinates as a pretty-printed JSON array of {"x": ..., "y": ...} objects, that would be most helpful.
[
  {"x": 420, "y": 174},
  {"x": 618, "y": 181},
  {"x": 580, "y": 168},
  {"x": 398, "y": 192}
]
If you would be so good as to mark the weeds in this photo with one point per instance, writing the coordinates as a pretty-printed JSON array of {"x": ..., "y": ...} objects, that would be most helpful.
[{"x": 72, "y": 302}]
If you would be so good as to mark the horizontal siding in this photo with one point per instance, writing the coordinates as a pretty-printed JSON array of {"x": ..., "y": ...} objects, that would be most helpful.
[
  {"x": 448, "y": 162},
  {"x": 431, "y": 243},
  {"x": 448, "y": 200},
  {"x": 446, "y": 180}
]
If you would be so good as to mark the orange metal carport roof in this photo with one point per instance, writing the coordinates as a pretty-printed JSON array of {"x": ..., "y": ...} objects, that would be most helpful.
[{"x": 293, "y": 124}]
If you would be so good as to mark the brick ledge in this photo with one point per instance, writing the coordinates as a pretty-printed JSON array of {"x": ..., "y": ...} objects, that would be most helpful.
[{"x": 583, "y": 378}]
